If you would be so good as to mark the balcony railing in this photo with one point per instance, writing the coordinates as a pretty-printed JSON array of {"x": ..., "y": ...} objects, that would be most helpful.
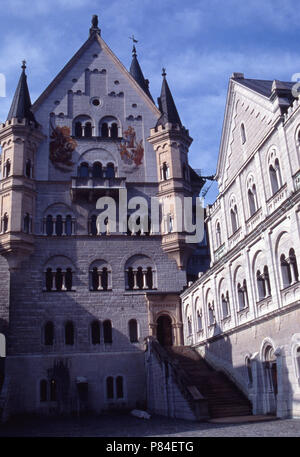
[{"x": 95, "y": 186}]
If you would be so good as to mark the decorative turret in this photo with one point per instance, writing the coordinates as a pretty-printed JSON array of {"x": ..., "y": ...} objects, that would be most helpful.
[
  {"x": 20, "y": 136},
  {"x": 136, "y": 72},
  {"x": 171, "y": 143},
  {"x": 166, "y": 105}
]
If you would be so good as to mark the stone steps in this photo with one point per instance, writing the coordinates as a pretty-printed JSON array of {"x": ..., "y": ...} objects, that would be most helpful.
[{"x": 224, "y": 398}]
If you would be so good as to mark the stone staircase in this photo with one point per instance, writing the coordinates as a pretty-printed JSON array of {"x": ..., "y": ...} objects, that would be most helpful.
[{"x": 223, "y": 396}]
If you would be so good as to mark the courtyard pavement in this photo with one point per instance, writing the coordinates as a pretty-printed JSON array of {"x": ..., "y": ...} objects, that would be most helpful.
[{"x": 125, "y": 425}]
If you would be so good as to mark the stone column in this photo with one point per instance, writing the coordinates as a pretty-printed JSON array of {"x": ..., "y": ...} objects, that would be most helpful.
[
  {"x": 145, "y": 279},
  {"x": 135, "y": 286},
  {"x": 100, "y": 280}
]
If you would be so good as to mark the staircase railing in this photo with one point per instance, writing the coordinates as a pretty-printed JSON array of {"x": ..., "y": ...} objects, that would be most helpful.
[{"x": 196, "y": 401}]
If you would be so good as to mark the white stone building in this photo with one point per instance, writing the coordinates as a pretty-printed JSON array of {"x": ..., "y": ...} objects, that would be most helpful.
[{"x": 243, "y": 314}]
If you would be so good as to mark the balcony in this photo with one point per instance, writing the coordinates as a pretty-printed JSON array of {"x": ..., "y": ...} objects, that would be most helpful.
[{"x": 96, "y": 187}]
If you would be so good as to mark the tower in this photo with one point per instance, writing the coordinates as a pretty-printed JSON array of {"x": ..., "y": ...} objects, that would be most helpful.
[
  {"x": 176, "y": 180},
  {"x": 20, "y": 136}
]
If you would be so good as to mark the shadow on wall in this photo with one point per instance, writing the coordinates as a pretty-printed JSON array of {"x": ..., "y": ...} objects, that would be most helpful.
[
  {"x": 75, "y": 344},
  {"x": 264, "y": 377}
]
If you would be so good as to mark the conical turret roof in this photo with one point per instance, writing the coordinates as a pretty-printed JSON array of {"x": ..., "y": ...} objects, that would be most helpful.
[
  {"x": 167, "y": 105},
  {"x": 137, "y": 74},
  {"x": 21, "y": 104}
]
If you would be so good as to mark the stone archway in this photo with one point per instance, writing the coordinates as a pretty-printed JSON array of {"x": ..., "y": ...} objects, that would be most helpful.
[
  {"x": 164, "y": 331},
  {"x": 270, "y": 379}
]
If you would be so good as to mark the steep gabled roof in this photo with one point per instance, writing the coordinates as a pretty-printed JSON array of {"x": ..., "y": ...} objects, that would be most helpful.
[
  {"x": 167, "y": 105},
  {"x": 21, "y": 104},
  {"x": 94, "y": 36}
]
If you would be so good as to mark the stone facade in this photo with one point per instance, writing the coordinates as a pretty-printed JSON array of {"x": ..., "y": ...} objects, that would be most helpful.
[
  {"x": 242, "y": 314},
  {"x": 76, "y": 303}
]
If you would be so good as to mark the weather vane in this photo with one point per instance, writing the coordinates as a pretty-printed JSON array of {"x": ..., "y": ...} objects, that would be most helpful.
[{"x": 133, "y": 39}]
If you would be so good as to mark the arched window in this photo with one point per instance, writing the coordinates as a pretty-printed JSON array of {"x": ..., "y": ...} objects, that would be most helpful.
[
  {"x": 49, "y": 334},
  {"x": 27, "y": 223},
  {"x": 275, "y": 176},
  {"x": 88, "y": 130},
  {"x": 59, "y": 226},
  {"x": 107, "y": 332},
  {"x": 218, "y": 235},
  {"x": 68, "y": 279},
  {"x": 53, "y": 389},
  {"x": 97, "y": 170},
  {"x": 114, "y": 130},
  {"x": 267, "y": 280},
  {"x": 95, "y": 332},
  {"x": 110, "y": 387},
  {"x": 49, "y": 225},
  {"x": 83, "y": 171},
  {"x": 110, "y": 171},
  {"x": 78, "y": 129},
  {"x": 189, "y": 325},
  {"x": 58, "y": 279},
  {"x": 69, "y": 225},
  {"x": 43, "y": 390},
  {"x": 139, "y": 277},
  {"x": 234, "y": 219},
  {"x": 165, "y": 171},
  {"x": 133, "y": 331},
  {"x": 119, "y": 387},
  {"x": 261, "y": 287},
  {"x": 104, "y": 130},
  {"x": 199, "y": 320},
  {"x": 69, "y": 334},
  {"x": 7, "y": 168},
  {"x": 293, "y": 263},
  {"x": 252, "y": 199},
  {"x": 242, "y": 295},
  {"x": 224, "y": 304},
  {"x": 285, "y": 271},
  {"x": 28, "y": 168},
  {"x": 5, "y": 222},
  {"x": 149, "y": 278},
  {"x": 211, "y": 314},
  {"x": 94, "y": 230},
  {"x": 243, "y": 133},
  {"x": 130, "y": 278}
]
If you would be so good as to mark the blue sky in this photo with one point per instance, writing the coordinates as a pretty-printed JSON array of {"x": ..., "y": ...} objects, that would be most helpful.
[{"x": 201, "y": 43}]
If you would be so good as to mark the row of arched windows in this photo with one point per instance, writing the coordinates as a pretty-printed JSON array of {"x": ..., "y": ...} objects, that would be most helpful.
[
  {"x": 108, "y": 127},
  {"x": 165, "y": 172},
  {"x": 28, "y": 169},
  {"x": 61, "y": 279},
  {"x": 289, "y": 276},
  {"x": 58, "y": 225},
  {"x": 97, "y": 170},
  {"x": 97, "y": 329}
]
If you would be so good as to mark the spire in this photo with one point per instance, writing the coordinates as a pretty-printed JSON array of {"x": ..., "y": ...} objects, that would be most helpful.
[
  {"x": 136, "y": 72},
  {"x": 21, "y": 104},
  {"x": 166, "y": 104}
]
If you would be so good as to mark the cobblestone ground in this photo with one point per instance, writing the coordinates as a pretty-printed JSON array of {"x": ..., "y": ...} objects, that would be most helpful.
[{"x": 124, "y": 425}]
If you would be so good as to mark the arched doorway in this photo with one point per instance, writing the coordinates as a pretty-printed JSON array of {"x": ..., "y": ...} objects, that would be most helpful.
[
  {"x": 164, "y": 330},
  {"x": 271, "y": 380}
]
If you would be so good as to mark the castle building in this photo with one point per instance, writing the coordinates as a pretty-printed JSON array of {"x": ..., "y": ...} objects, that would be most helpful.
[
  {"x": 243, "y": 314},
  {"x": 80, "y": 289}
]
